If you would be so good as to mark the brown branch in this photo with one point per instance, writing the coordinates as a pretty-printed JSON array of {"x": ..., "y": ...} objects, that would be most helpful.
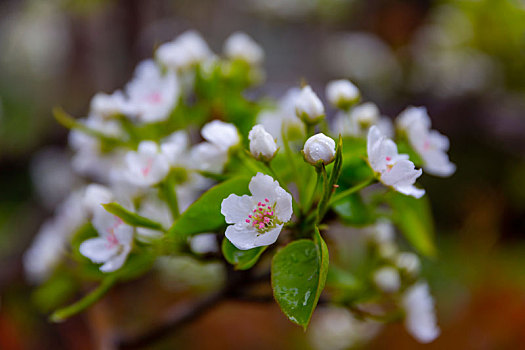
[{"x": 236, "y": 280}]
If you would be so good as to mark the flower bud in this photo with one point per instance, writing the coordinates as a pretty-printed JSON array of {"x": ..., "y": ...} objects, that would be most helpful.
[
  {"x": 240, "y": 46},
  {"x": 319, "y": 148},
  {"x": 308, "y": 106},
  {"x": 387, "y": 279},
  {"x": 262, "y": 144},
  {"x": 365, "y": 114},
  {"x": 408, "y": 262},
  {"x": 342, "y": 93}
]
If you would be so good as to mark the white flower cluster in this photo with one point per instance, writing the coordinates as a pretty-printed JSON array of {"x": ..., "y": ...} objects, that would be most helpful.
[
  {"x": 139, "y": 150},
  {"x": 128, "y": 168},
  {"x": 400, "y": 276}
]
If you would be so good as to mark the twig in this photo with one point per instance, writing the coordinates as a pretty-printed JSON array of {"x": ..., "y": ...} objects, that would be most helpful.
[{"x": 236, "y": 280}]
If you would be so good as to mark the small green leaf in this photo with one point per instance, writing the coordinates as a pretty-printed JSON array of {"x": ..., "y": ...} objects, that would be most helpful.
[
  {"x": 204, "y": 215},
  {"x": 414, "y": 219},
  {"x": 342, "y": 279},
  {"x": 55, "y": 291},
  {"x": 132, "y": 218},
  {"x": 241, "y": 259},
  {"x": 298, "y": 277},
  {"x": 338, "y": 164}
]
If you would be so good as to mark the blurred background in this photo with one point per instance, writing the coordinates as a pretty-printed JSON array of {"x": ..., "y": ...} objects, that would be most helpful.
[{"x": 463, "y": 59}]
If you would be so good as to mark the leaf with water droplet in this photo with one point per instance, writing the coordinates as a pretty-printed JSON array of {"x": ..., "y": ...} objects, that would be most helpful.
[
  {"x": 241, "y": 259},
  {"x": 298, "y": 277}
]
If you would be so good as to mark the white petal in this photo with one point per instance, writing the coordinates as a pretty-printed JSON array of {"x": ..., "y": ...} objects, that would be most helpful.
[
  {"x": 283, "y": 205},
  {"x": 263, "y": 186},
  {"x": 402, "y": 173},
  {"x": 420, "y": 319},
  {"x": 116, "y": 262},
  {"x": 236, "y": 209},
  {"x": 98, "y": 249},
  {"x": 410, "y": 191},
  {"x": 269, "y": 237},
  {"x": 241, "y": 236},
  {"x": 221, "y": 134}
]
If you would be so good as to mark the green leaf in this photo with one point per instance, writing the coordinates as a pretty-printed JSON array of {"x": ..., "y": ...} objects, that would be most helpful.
[
  {"x": 353, "y": 210},
  {"x": 204, "y": 215},
  {"x": 55, "y": 291},
  {"x": 338, "y": 164},
  {"x": 342, "y": 279},
  {"x": 241, "y": 259},
  {"x": 414, "y": 219},
  {"x": 132, "y": 218},
  {"x": 298, "y": 277}
]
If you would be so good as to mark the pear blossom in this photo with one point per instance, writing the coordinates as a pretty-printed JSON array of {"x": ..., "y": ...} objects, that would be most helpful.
[
  {"x": 204, "y": 243},
  {"x": 382, "y": 232},
  {"x": 49, "y": 245},
  {"x": 109, "y": 105},
  {"x": 308, "y": 106},
  {"x": 359, "y": 119},
  {"x": 257, "y": 219},
  {"x": 186, "y": 50},
  {"x": 153, "y": 208},
  {"x": 174, "y": 147},
  {"x": 151, "y": 94},
  {"x": 335, "y": 328},
  {"x": 221, "y": 134},
  {"x": 262, "y": 143},
  {"x": 113, "y": 244},
  {"x": 408, "y": 262},
  {"x": 319, "y": 148},
  {"x": 95, "y": 195},
  {"x": 429, "y": 144},
  {"x": 342, "y": 93},
  {"x": 283, "y": 119},
  {"x": 213, "y": 154},
  {"x": 387, "y": 279},
  {"x": 241, "y": 46},
  {"x": 420, "y": 318},
  {"x": 393, "y": 169},
  {"x": 147, "y": 166}
]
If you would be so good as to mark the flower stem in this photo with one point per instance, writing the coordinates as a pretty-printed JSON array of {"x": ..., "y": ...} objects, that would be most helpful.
[
  {"x": 317, "y": 183},
  {"x": 351, "y": 190},
  {"x": 73, "y": 309}
]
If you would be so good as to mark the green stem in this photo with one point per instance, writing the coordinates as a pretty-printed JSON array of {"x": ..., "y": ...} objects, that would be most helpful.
[
  {"x": 351, "y": 190},
  {"x": 167, "y": 188},
  {"x": 73, "y": 309},
  {"x": 317, "y": 183},
  {"x": 327, "y": 192}
]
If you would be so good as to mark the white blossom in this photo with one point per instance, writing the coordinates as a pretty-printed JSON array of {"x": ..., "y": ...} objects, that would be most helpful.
[
  {"x": 109, "y": 105},
  {"x": 257, "y": 219},
  {"x": 49, "y": 245},
  {"x": 408, "y": 262},
  {"x": 394, "y": 169},
  {"x": 319, "y": 148},
  {"x": 147, "y": 166},
  {"x": 95, "y": 195},
  {"x": 359, "y": 119},
  {"x": 283, "y": 120},
  {"x": 221, "y": 134},
  {"x": 174, "y": 147},
  {"x": 420, "y": 319},
  {"x": 382, "y": 232},
  {"x": 151, "y": 94},
  {"x": 387, "y": 279},
  {"x": 206, "y": 156},
  {"x": 204, "y": 243},
  {"x": 342, "y": 93},
  {"x": 113, "y": 244},
  {"x": 153, "y": 208},
  {"x": 241, "y": 46},
  {"x": 262, "y": 143},
  {"x": 429, "y": 144},
  {"x": 308, "y": 106},
  {"x": 186, "y": 50},
  {"x": 335, "y": 328},
  {"x": 365, "y": 114}
]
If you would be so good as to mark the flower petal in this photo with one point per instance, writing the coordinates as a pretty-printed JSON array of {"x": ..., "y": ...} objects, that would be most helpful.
[
  {"x": 242, "y": 236},
  {"x": 269, "y": 237},
  {"x": 117, "y": 261},
  {"x": 98, "y": 249},
  {"x": 403, "y": 173},
  {"x": 236, "y": 208},
  {"x": 264, "y": 186}
]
